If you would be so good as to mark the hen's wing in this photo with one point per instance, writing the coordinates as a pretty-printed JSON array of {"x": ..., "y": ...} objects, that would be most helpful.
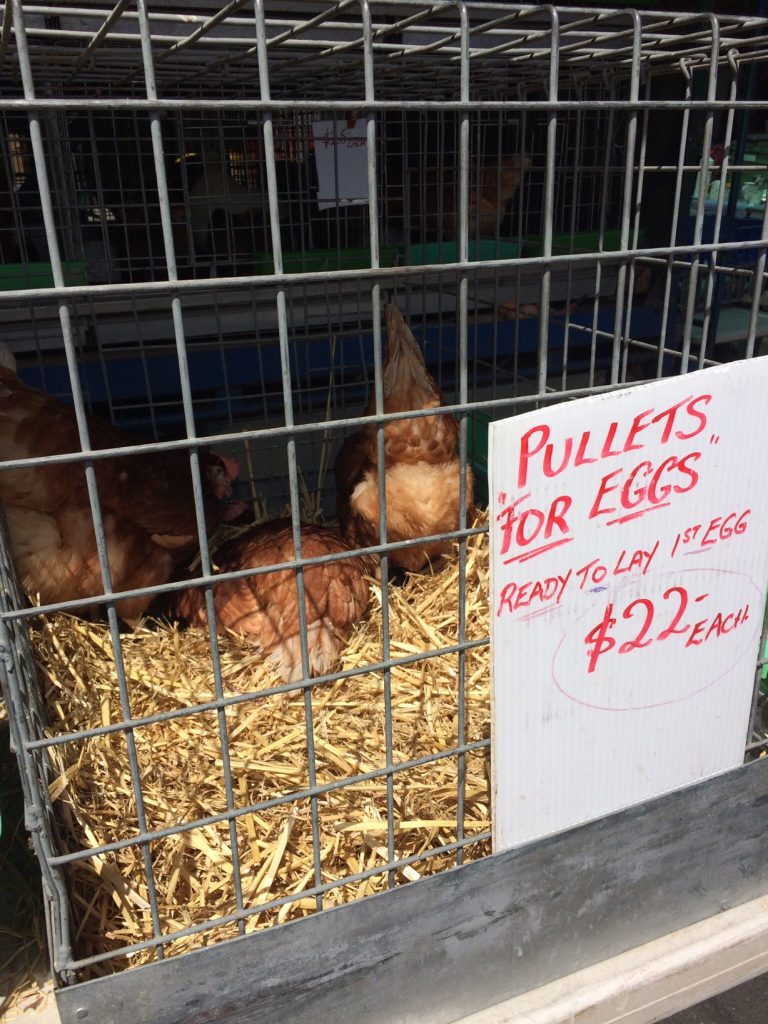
[
  {"x": 151, "y": 490},
  {"x": 57, "y": 560},
  {"x": 266, "y": 607},
  {"x": 33, "y": 424},
  {"x": 146, "y": 500},
  {"x": 350, "y": 466},
  {"x": 154, "y": 491},
  {"x": 424, "y": 439}
]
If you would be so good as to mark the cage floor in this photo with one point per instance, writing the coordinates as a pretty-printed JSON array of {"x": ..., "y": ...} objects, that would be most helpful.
[{"x": 180, "y": 760}]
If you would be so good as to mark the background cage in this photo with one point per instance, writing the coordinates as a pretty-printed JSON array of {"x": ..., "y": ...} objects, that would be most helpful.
[{"x": 166, "y": 264}]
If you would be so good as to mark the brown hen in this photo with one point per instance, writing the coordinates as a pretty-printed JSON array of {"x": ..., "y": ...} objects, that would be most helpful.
[
  {"x": 421, "y": 458},
  {"x": 266, "y": 607},
  {"x": 146, "y": 501},
  {"x": 434, "y": 198}
]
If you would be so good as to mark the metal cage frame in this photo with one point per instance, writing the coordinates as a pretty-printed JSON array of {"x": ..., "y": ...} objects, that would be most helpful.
[{"x": 365, "y": 56}]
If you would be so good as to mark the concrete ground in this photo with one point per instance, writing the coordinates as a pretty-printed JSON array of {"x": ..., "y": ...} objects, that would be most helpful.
[{"x": 746, "y": 1004}]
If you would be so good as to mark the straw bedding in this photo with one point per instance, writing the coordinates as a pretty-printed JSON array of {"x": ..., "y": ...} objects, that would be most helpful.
[{"x": 182, "y": 774}]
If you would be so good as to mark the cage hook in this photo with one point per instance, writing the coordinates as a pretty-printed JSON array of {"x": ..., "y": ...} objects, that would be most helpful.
[
  {"x": 685, "y": 67},
  {"x": 733, "y": 60}
]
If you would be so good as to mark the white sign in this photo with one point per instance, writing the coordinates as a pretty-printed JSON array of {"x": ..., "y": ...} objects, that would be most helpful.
[
  {"x": 629, "y": 565},
  {"x": 342, "y": 162}
]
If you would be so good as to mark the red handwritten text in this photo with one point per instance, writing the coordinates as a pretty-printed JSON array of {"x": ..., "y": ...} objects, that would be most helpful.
[
  {"x": 721, "y": 624},
  {"x": 683, "y": 421},
  {"x": 341, "y": 138},
  {"x": 628, "y": 561},
  {"x": 704, "y": 535},
  {"x": 645, "y": 487},
  {"x": 523, "y": 595},
  {"x": 525, "y": 525},
  {"x": 640, "y": 617}
]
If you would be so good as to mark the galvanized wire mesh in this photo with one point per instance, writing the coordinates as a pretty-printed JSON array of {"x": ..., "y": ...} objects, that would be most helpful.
[{"x": 254, "y": 322}]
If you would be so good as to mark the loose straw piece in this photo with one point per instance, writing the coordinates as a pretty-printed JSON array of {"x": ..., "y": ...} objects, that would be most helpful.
[{"x": 406, "y": 870}]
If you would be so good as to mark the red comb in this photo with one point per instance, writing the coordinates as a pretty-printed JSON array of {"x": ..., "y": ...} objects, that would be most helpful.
[{"x": 232, "y": 466}]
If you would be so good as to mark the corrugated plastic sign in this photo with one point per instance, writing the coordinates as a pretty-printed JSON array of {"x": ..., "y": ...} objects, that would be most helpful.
[
  {"x": 342, "y": 162},
  {"x": 629, "y": 566}
]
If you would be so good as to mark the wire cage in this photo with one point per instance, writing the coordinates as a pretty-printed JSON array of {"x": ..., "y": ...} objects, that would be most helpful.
[{"x": 203, "y": 216}]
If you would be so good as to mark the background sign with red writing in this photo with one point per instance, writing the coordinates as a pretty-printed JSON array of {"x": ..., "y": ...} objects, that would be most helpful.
[
  {"x": 629, "y": 565},
  {"x": 342, "y": 162}
]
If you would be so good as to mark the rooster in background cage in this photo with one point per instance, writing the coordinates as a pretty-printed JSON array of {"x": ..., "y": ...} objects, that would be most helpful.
[
  {"x": 421, "y": 458},
  {"x": 265, "y": 608},
  {"x": 147, "y": 505}
]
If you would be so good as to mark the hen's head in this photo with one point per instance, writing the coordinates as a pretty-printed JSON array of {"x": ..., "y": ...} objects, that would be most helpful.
[{"x": 221, "y": 471}]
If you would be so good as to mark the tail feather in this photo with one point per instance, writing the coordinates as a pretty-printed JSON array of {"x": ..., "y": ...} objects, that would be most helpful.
[
  {"x": 405, "y": 367},
  {"x": 323, "y": 647}
]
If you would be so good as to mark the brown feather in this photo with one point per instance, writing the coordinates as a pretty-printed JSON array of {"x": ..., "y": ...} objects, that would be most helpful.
[
  {"x": 146, "y": 499},
  {"x": 420, "y": 456},
  {"x": 434, "y": 198},
  {"x": 266, "y": 607}
]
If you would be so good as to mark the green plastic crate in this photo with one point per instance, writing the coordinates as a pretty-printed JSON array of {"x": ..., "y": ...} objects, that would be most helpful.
[
  {"x": 447, "y": 252},
  {"x": 477, "y": 452},
  {"x": 14, "y": 276},
  {"x": 316, "y": 260},
  {"x": 582, "y": 241}
]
